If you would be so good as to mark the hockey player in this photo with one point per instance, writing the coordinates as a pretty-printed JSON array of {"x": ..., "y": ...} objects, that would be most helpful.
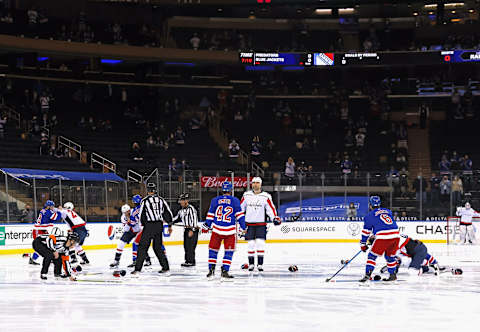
[
  {"x": 76, "y": 225},
  {"x": 421, "y": 260},
  {"x": 55, "y": 248},
  {"x": 467, "y": 230},
  {"x": 47, "y": 216},
  {"x": 135, "y": 215},
  {"x": 380, "y": 223},
  {"x": 222, "y": 218},
  {"x": 257, "y": 204}
]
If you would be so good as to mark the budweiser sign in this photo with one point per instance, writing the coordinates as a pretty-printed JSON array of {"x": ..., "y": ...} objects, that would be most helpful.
[{"x": 215, "y": 182}]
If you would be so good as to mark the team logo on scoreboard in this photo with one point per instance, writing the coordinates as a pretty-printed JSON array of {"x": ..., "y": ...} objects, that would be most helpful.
[{"x": 323, "y": 59}]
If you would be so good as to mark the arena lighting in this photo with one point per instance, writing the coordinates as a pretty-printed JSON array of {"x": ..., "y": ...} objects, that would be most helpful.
[
  {"x": 431, "y": 6},
  {"x": 346, "y": 11},
  {"x": 415, "y": 13},
  {"x": 110, "y": 61},
  {"x": 471, "y": 10},
  {"x": 453, "y": 12},
  {"x": 43, "y": 58},
  {"x": 454, "y": 4},
  {"x": 323, "y": 11}
]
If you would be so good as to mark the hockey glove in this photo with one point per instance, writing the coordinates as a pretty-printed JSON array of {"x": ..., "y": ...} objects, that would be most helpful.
[
  {"x": 277, "y": 221},
  {"x": 364, "y": 247}
]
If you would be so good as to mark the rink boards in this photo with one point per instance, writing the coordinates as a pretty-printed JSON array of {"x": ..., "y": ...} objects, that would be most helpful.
[{"x": 17, "y": 238}]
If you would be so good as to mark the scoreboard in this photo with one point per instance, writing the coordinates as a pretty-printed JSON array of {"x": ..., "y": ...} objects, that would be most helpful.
[{"x": 318, "y": 59}]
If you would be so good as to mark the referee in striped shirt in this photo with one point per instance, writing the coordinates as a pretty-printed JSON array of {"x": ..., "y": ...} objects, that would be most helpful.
[
  {"x": 154, "y": 211},
  {"x": 189, "y": 217}
]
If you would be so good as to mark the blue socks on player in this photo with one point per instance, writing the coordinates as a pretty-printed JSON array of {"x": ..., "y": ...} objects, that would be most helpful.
[
  {"x": 391, "y": 264},
  {"x": 430, "y": 259},
  {"x": 212, "y": 258},
  {"x": 371, "y": 262},
  {"x": 227, "y": 259}
]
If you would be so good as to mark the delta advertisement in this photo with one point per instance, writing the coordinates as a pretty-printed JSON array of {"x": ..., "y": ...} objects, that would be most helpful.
[{"x": 17, "y": 238}]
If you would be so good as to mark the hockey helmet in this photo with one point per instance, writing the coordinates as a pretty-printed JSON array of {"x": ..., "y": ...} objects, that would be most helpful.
[
  {"x": 257, "y": 179},
  {"x": 184, "y": 197},
  {"x": 73, "y": 237},
  {"x": 227, "y": 186},
  {"x": 151, "y": 188},
  {"x": 375, "y": 201},
  {"x": 136, "y": 199},
  {"x": 49, "y": 203},
  {"x": 125, "y": 208},
  {"x": 68, "y": 206}
]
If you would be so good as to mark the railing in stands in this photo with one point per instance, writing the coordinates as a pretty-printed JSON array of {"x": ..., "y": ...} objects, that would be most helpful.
[
  {"x": 134, "y": 176},
  {"x": 12, "y": 114},
  {"x": 257, "y": 170},
  {"x": 70, "y": 145},
  {"x": 104, "y": 163}
]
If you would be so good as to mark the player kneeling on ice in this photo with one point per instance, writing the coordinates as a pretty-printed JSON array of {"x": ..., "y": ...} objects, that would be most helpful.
[
  {"x": 222, "y": 218},
  {"x": 380, "y": 223},
  {"x": 417, "y": 252},
  {"x": 467, "y": 230},
  {"x": 257, "y": 204},
  {"x": 55, "y": 248},
  {"x": 76, "y": 225}
]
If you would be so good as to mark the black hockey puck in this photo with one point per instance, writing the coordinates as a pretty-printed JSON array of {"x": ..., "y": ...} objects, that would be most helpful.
[
  {"x": 78, "y": 268},
  {"x": 293, "y": 268},
  {"x": 119, "y": 273},
  {"x": 377, "y": 278}
]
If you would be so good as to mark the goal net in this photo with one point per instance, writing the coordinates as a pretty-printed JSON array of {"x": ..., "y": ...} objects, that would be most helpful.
[{"x": 453, "y": 230}]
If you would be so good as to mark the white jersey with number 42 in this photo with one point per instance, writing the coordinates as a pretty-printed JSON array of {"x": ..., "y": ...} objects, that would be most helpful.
[
  {"x": 466, "y": 215},
  {"x": 257, "y": 207}
]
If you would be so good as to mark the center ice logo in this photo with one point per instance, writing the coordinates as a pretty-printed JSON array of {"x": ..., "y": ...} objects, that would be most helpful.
[{"x": 2, "y": 236}]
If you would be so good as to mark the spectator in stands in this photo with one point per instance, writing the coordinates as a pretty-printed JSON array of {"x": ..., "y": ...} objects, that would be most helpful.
[
  {"x": 351, "y": 211},
  {"x": 174, "y": 167},
  {"x": 195, "y": 41},
  {"x": 349, "y": 140},
  {"x": 401, "y": 160},
  {"x": 337, "y": 161},
  {"x": 43, "y": 144},
  {"x": 8, "y": 19},
  {"x": 360, "y": 140},
  {"x": 256, "y": 148},
  {"x": 91, "y": 124},
  {"x": 179, "y": 136},
  {"x": 393, "y": 178},
  {"x": 44, "y": 102},
  {"x": 28, "y": 214},
  {"x": 466, "y": 163},
  {"x": 434, "y": 188},
  {"x": 117, "y": 33},
  {"x": 403, "y": 174},
  {"x": 82, "y": 123},
  {"x": 454, "y": 161},
  {"x": 136, "y": 152},
  {"x": 3, "y": 124},
  {"x": 233, "y": 149},
  {"x": 290, "y": 169},
  {"x": 444, "y": 165},
  {"x": 457, "y": 190},
  {"x": 32, "y": 15},
  {"x": 420, "y": 187},
  {"x": 346, "y": 166},
  {"x": 151, "y": 141},
  {"x": 445, "y": 189}
]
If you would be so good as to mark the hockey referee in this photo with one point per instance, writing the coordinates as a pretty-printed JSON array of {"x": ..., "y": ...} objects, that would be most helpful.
[
  {"x": 154, "y": 211},
  {"x": 189, "y": 217}
]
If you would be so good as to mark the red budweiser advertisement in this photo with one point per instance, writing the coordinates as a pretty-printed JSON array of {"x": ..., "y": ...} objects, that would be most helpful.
[{"x": 214, "y": 181}]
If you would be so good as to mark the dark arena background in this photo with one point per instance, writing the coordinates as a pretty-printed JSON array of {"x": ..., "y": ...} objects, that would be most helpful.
[{"x": 344, "y": 128}]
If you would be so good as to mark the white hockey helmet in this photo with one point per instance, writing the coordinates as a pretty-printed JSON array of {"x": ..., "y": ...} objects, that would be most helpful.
[
  {"x": 467, "y": 205},
  {"x": 257, "y": 179},
  {"x": 68, "y": 206},
  {"x": 125, "y": 208}
]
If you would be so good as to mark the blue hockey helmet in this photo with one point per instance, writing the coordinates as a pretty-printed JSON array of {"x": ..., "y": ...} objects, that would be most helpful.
[
  {"x": 136, "y": 199},
  {"x": 375, "y": 201},
  {"x": 227, "y": 186},
  {"x": 49, "y": 203}
]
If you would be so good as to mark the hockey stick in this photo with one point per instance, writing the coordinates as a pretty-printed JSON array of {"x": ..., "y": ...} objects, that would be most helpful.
[{"x": 344, "y": 265}]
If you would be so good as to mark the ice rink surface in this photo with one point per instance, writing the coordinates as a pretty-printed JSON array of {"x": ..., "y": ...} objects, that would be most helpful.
[{"x": 277, "y": 301}]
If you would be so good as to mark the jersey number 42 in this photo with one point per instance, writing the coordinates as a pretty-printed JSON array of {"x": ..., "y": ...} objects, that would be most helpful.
[{"x": 223, "y": 213}]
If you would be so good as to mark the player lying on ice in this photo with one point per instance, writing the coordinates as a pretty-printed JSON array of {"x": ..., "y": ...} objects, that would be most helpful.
[{"x": 55, "y": 248}]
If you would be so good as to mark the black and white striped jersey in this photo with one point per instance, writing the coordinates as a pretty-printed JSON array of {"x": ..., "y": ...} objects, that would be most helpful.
[
  {"x": 154, "y": 208},
  {"x": 58, "y": 244},
  {"x": 188, "y": 216}
]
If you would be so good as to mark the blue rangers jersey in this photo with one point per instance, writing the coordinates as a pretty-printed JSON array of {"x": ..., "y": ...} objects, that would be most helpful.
[
  {"x": 132, "y": 223},
  {"x": 223, "y": 214},
  {"x": 379, "y": 222},
  {"x": 46, "y": 217}
]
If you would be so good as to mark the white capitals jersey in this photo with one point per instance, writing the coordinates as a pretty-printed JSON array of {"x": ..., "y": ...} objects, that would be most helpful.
[
  {"x": 129, "y": 224},
  {"x": 466, "y": 215},
  {"x": 72, "y": 219},
  {"x": 257, "y": 207}
]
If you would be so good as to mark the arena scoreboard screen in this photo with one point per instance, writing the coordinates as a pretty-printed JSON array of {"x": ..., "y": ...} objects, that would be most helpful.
[
  {"x": 287, "y": 59},
  {"x": 344, "y": 59}
]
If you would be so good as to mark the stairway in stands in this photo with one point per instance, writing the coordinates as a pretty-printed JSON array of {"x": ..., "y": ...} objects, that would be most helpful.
[{"x": 419, "y": 151}]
